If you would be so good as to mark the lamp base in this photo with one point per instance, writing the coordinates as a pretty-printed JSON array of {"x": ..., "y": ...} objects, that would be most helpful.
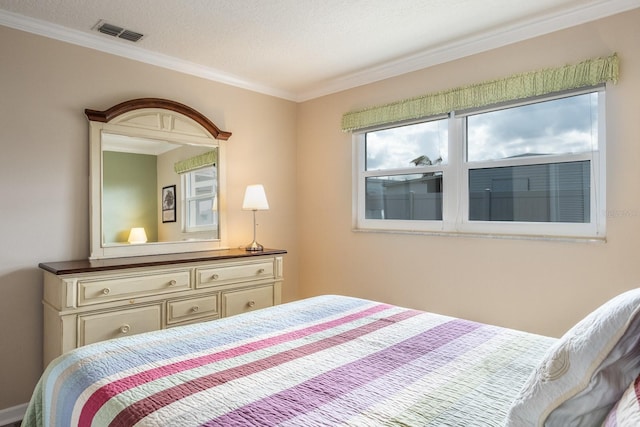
[{"x": 254, "y": 247}]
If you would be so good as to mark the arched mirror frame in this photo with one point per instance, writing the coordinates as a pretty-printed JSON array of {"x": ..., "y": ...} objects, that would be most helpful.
[{"x": 151, "y": 118}]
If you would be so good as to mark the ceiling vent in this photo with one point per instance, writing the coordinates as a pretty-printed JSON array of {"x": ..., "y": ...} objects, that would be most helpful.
[{"x": 115, "y": 31}]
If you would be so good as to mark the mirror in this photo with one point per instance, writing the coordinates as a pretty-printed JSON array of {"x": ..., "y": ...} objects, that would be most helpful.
[{"x": 156, "y": 166}]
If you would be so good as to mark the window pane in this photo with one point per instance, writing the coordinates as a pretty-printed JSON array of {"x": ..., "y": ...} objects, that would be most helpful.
[
  {"x": 406, "y": 146},
  {"x": 560, "y": 126},
  {"x": 404, "y": 197},
  {"x": 201, "y": 212},
  {"x": 200, "y": 190},
  {"x": 203, "y": 191},
  {"x": 557, "y": 192},
  {"x": 202, "y": 182}
]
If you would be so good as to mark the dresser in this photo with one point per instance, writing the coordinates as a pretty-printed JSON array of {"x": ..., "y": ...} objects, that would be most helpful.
[{"x": 87, "y": 301}]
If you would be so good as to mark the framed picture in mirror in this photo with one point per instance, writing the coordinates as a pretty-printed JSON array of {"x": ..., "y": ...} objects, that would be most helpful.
[{"x": 169, "y": 203}]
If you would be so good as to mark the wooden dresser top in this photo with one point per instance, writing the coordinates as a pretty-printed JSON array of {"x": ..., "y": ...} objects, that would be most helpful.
[{"x": 89, "y": 265}]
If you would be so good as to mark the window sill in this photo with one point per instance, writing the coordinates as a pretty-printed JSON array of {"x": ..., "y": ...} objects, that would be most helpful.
[{"x": 547, "y": 238}]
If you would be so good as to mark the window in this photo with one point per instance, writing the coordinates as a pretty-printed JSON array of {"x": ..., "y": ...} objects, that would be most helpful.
[
  {"x": 403, "y": 171},
  {"x": 529, "y": 168},
  {"x": 200, "y": 207}
]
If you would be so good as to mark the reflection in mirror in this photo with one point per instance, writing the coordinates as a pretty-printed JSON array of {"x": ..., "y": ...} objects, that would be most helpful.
[
  {"x": 134, "y": 173},
  {"x": 156, "y": 165}
]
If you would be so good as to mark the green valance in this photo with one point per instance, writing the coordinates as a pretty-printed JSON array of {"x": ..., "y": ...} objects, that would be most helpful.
[
  {"x": 206, "y": 159},
  {"x": 519, "y": 86}
]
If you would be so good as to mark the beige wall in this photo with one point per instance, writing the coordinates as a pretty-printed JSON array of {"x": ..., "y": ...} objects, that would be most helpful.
[
  {"x": 45, "y": 85},
  {"x": 299, "y": 153},
  {"x": 540, "y": 286}
]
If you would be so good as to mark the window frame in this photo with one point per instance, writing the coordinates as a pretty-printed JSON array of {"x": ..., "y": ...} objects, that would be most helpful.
[
  {"x": 455, "y": 184},
  {"x": 186, "y": 184}
]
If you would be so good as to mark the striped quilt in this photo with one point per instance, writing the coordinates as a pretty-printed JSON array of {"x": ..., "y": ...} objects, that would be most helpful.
[{"x": 322, "y": 361}]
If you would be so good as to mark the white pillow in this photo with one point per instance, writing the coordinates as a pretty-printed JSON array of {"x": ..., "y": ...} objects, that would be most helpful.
[{"x": 586, "y": 371}]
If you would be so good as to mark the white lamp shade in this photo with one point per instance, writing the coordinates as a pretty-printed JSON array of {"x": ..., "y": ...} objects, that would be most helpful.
[
  {"x": 137, "y": 235},
  {"x": 255, "y": 198}
]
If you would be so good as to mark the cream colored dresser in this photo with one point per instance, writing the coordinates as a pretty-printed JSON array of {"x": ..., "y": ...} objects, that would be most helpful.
[{"x": 95, "y": 300}]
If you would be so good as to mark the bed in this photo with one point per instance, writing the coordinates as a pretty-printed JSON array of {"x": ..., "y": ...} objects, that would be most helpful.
[{"x": 336, "y": 360}]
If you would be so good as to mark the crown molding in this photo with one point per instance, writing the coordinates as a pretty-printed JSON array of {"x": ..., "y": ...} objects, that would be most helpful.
[
  {"x": 448, "y": 52},
  {"x": 472, "y": 45},
  {"x": 97, "y": 42}
]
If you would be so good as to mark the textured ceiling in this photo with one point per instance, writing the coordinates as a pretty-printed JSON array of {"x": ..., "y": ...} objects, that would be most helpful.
[{"x": 301, "y": 49}]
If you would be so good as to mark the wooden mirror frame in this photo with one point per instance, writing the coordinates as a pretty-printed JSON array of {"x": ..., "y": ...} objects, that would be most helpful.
[{"x": 151, "y": 118}]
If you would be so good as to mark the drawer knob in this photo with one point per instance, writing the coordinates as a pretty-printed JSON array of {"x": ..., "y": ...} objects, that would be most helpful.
[
  {"x": 125, "y": 329},
  {"x": 172, "y": 283},
  {"x": 261, "y": 271},
  {"x": 195, "y": 308},
  {"x": 252, "y": 303},
  {"x": 106, "y": 291},
  {"x": 214, "y": 277}
]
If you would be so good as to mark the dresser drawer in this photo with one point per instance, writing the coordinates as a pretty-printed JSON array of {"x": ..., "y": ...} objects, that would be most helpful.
[
  {"x": 233, "y": 273},
  {"x": 237, "y": 302},
  {"x": 119, "y": 288},
  {"x": 103, "y": 326},
  {"x": 192, "y": 308}
]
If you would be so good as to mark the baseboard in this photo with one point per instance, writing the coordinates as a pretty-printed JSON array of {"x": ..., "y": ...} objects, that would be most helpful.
[{"x": 13, "y": 414}]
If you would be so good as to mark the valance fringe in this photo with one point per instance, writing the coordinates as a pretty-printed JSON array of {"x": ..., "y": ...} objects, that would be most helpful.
[{"x": 519, "y": 86}]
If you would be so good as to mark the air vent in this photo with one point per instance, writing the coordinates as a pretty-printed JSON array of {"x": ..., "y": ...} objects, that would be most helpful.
[
  {"x": 132, "y": 36},
  {"x": 115, "y": 31}
]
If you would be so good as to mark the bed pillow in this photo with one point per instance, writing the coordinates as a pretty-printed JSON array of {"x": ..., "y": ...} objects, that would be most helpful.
[
  {"x": 586, "y": 371},
  {"x": 626, "y": 413}
]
